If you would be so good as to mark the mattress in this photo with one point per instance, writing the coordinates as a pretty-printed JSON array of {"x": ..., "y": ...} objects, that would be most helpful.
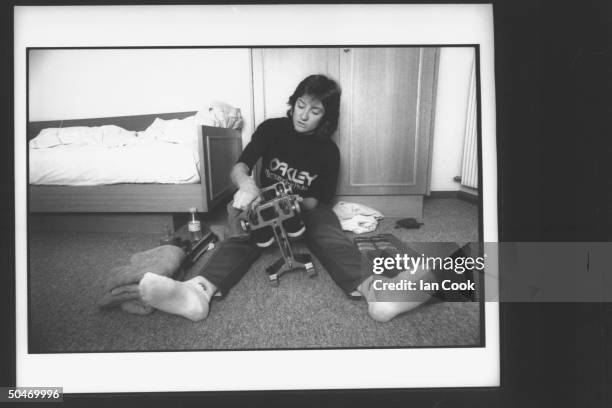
[
  {"x": 157, "y": 162},
  {"x": 89, "y": 156}
]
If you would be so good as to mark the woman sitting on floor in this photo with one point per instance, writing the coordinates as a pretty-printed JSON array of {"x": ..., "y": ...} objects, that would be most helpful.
[{"x": 298, "y": 150}]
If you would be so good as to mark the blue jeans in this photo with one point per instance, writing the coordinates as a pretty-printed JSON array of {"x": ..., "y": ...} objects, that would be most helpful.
[{"x": 324, "y": 238}]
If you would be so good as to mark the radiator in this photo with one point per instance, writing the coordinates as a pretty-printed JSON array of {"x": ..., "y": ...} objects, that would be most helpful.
[{"x": 469, "y": 167}]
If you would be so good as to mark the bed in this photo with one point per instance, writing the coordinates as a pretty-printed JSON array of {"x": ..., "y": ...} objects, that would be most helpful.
[{"x": 217, "y": 151}]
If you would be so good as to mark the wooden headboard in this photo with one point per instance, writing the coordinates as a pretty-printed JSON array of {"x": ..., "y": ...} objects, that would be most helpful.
[{"x": 135, "y": 123}]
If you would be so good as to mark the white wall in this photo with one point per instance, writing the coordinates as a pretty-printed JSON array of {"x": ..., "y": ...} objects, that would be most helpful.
[
  {"x": 80, "y": 83},
  {"x": 451, "y": 110}
]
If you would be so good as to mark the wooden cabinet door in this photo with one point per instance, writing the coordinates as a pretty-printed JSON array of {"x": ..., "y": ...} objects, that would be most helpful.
[
  {"x": 278, "y": 71},
  {"x": 385, "y": 120},
  {"x": 386, "y": 109}
]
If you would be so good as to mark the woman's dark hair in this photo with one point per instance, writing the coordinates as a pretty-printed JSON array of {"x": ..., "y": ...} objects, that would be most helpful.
[{"x": 328, "y": 92}]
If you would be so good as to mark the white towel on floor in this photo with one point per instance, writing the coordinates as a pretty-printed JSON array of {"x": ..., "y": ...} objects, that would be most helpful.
[{"x": 357, "y": 218}]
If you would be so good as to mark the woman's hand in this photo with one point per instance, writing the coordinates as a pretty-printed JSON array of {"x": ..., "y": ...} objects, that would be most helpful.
[
  {"x": 246, "y": 194},
  {"x": 247, "y": 189}
]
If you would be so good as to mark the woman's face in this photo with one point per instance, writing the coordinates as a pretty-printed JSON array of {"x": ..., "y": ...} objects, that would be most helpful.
[{"x": 307, "y": 114}]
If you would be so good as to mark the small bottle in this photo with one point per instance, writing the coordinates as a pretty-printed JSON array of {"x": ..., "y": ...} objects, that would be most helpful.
[{"x": 194, "y": 226}]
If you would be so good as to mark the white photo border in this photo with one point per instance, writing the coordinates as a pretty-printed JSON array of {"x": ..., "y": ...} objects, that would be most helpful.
[{"x": 269, "y": 25}]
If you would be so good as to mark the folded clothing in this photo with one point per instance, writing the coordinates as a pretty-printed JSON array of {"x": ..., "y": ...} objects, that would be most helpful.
[
  {"x": 122, "y": 284},
  {"x": 357, "y": 218},
  {"x": 359, "y": 224}
]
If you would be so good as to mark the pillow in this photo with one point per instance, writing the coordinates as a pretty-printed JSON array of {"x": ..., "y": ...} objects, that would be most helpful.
[
  {"x": 174, "y": 130},
  {"x": 45, "y": 138}
]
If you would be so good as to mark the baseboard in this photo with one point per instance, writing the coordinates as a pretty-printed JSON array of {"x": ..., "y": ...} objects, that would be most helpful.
[
  {"x": 459, "y": 194},
  {"x": 136, "y": 223},
  {"x": 466, "y": 196},
  {"x": 443, "y": 194}
]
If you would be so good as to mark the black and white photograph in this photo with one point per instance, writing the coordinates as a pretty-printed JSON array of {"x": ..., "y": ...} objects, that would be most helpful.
[
  {"x": 124, "y": 142},
  {"x": 230, "y": 198},
  {"x": 393, "y": 204}
]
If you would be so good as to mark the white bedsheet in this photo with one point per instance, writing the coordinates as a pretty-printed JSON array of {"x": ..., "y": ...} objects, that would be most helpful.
[{"x": 145, "y": 161}]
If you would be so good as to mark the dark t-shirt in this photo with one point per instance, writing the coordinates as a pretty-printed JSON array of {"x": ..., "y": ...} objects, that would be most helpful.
[{"x": 309, "y": 165}]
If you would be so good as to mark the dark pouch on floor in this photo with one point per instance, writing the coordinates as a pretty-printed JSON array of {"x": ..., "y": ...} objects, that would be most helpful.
[
  {"x": 468, "y": 275},
  {"x": 408, "y": 223}
]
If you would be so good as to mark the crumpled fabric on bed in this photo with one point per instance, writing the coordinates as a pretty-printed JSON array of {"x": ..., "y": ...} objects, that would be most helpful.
[
  {"x": 166, "y": 152},
  {"x": 181, "y": 131},
  {"x": 357, "y": 218},
  {"x": 122, "y": 285},
  {"x": 221, "y": 114},
  {"x": 108, "y": 136}
]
